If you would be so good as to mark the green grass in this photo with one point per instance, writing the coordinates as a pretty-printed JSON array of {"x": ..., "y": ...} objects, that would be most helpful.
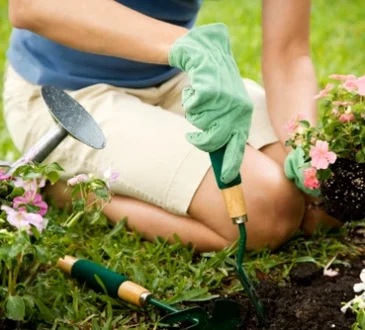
[
  {"x": 174, "y": 273},
  {"x": 6, "y": 147}
]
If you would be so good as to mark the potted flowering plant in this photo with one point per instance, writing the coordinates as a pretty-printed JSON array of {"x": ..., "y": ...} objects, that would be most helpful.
[{"x": 334, "y": 150}]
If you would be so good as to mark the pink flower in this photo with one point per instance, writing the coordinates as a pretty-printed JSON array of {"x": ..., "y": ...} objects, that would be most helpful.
[
  {"x": 361, "y": 86},
  {"x": 23, "y": 220},
  {"x": 293, "y": 125},
  {"x": 4, "y": 176},
  {"x": 30, "y": 185},
  {"x": 31, "y": 198},
  {"x": 342, "y": 77},
  {"x": 321, "y": 156},
  {"x": 345, "y": 118},
  {"x": 78, "y": 179},
  {"x": 324, "y": 92},
  {"x": 350, "y": 85},
  {"x": 310, "y": 178}
]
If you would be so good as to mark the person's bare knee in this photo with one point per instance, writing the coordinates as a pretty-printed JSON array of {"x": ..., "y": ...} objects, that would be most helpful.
[
  {"x": 281, "y": 213},
  {"x": 275, "y": 206}
]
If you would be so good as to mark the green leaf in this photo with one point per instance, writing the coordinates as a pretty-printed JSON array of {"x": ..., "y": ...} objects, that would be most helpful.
[
  {"x": 305, "y": 123},
  {"x": 31, "y": 208},
  {"x": 117, "y": 229},
  {"x": 44, "y": 310},
  {"x": 16, "y": 249},
  {"x": 32, "y": 175},
  {"x": 78, "y": 205},
  {"x": 15, "y": 308},
  {"x": 324, "y": 174},
  {"x": 95, "y": 325},
  {"x": 102, "y": 193},
  {"x": 361, "y": 319},
  {"x": 53, "y": 177},
  {"x": 360, "y": 157},
  {"x": 54, "y": 167},
  {"x": 42, "y": 254},
  {"x": 75, "y": 191},
  {"x": 189, "y": 295},
  {"x": 18, "y": 191},
  {"x": 305, "y": 259},
  {"x": 35, "y": 232},
  {"x": 289, "y": 143}
]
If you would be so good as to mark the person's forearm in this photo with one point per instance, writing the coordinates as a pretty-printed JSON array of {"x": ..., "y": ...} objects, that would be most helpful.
[
  {"x": 97, "y": 26},
  {"x": 290, "y": 85}
]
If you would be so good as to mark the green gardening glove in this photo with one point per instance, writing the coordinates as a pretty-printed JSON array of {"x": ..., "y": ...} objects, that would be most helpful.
[
  {"x": 294, "y": 167},
  {"x": 217, "y": 102}
]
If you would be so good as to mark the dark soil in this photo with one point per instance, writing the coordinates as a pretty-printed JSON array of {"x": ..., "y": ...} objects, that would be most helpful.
[
  {"x": 343, "y": 193},
  {"x": 311, "y": 301}
]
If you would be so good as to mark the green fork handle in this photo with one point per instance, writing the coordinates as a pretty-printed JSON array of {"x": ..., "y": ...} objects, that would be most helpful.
[{"x": 232, "y": 192}]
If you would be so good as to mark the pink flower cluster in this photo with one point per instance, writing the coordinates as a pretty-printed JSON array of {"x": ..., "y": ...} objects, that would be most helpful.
[
  {"x": 348, "y": 116},
  {"x": 107, "y": 174},
  {"x": 349, "y": 82},
  {"x": 18, "y": 216},
  {"x": 4, "y": 175},
  {"x": 310, "y": 178},
  {"x": 321, "y": 158},
  {"x": 293, "y": 126}
]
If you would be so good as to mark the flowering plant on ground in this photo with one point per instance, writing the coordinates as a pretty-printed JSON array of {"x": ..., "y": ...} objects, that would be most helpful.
[
  {"x": 33, "y": 233},
  {"x": 357, "y": 304},
  {"x": 341, "y": 132},
  {"x": 89, "y": 195}
]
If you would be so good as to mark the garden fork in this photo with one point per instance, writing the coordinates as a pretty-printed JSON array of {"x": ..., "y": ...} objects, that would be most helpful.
[{"x": 236, "y": 207}]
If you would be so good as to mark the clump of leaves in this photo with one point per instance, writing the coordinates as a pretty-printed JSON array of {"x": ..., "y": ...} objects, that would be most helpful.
[{"x": 32, "y": 237}]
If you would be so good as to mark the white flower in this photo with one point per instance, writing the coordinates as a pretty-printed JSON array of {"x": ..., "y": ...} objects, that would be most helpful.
[
  {"x": 330, "y": 272},
  {"x": 30, "y": 185},
  {"x": 358, "y": 287},
  {"x": 358, "y": 300},
  {"x": 109, "y": 176},
  {"x": 327, "y": 271}
]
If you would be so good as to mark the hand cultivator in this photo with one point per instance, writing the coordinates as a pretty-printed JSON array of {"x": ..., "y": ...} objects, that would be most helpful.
[
  {"x": 225, "y": 315},
  {"x": 236, "y": 207},
  {"x": 71, "y": 119}
]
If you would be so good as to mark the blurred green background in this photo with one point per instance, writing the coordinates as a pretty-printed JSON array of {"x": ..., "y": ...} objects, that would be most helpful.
[{"x": 337, "y": 40}]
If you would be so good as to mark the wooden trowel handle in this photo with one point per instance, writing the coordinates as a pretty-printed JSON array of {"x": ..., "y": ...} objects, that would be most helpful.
[{"x": 99, "y": 277}]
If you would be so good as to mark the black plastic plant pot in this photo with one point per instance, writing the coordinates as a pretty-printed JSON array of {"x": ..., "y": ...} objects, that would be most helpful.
[{"x": 343, "y": 194}]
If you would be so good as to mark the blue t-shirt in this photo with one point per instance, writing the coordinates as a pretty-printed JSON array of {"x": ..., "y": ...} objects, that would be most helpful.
[{"x": 44, "y": 62}]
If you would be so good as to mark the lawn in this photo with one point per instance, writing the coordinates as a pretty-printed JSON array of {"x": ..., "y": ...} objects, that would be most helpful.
[{"x": 175, "y": 274}]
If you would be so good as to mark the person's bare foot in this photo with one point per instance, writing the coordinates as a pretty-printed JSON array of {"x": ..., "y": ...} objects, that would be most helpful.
[{"x": 314, "y": 217}]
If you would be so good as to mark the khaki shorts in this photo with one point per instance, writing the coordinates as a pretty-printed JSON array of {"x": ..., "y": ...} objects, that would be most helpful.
[{"x": 145, "y": 132}]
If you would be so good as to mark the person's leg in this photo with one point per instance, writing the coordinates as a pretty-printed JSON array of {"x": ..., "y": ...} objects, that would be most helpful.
[{"x": 275, "y": 209}]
